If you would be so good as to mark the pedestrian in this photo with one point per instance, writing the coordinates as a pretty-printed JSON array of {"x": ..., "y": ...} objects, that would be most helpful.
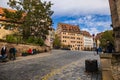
[
  {"x": 12, "y": 52},
  {"x": 109, "y": 47},
  {"x": 3, "y": 52},
  {"x": 99, "y": 50}
]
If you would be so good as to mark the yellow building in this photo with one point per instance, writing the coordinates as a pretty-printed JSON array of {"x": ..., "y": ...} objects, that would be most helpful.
[
  {"x": 3, "y": 21},
  {"x": 70, "y": 36}
]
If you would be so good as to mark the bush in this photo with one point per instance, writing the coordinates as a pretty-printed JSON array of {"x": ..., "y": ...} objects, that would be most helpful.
[
  {"x": 10, "y": 38},
  {"x": 39, "y": 41},
  {"x": 30, "y": 40}
]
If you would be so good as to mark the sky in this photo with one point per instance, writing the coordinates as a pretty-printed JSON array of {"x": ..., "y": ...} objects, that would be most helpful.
[{"x": 90, "y": 15}]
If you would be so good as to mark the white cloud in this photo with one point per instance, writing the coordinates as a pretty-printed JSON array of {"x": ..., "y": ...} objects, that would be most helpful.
[
  {"x": 80, "y": 7},
  {"x": 91, "y": 30},
  {"x": 75, "y": 7},
  {"x": 91, "y": 23},
  {"x": 3, "y": 3}
]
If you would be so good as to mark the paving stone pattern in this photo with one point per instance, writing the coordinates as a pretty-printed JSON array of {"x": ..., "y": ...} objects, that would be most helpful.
[{"x": 76, "y": 71}]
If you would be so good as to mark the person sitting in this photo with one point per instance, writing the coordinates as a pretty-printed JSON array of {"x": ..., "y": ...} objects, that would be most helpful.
[
  {"x": 30, "y": 51},
  {"x": 3, "y": 53}
]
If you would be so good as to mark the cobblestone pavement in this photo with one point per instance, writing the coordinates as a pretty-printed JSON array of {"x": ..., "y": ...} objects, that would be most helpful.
[
  {"x": 60, "y": 65},
  {"x": 75, "y": 71}
]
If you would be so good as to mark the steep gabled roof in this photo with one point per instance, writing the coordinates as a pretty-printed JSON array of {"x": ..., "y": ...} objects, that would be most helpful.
[
  {"x": 2, "y": 18},
  {"x": 85, "y": 33},
  {"x": 69, "y": 28},
  {"x": 2, "y": 10}
]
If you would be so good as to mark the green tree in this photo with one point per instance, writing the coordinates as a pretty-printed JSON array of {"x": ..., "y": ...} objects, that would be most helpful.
[
  {"x": 56, "y": 42},
  {"x": 107, "y": 35},
  {"x": 13, "y": 17},
  {"x": 36, "y": 17}
]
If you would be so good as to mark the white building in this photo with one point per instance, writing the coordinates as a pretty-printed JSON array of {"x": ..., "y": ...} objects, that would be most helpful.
[
  {"x": 88, "y": 43},
  {"x": 88, "y": 40}
]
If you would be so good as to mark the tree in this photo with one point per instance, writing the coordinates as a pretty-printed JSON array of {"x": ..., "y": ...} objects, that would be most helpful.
[
  {"x": 107, "y": 35},
  {"x": 56, "y": 42},
  {"x": 13, "y": 17},
  {"x": 36, "y": 17}
]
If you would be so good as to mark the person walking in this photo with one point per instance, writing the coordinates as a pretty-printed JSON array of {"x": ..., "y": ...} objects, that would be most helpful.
[
  {"x": 109, "y": 47},
  {"x": 96, "y": 50},
  {"x": 99, "y": 50}
]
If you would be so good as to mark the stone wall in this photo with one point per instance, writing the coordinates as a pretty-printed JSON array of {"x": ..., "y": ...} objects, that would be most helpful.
[
  {"x": 115, "y": 14},
  {"x": 23, "y": 47}
]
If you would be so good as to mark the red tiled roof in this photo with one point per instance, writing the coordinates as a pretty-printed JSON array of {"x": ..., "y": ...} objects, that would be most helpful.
[
  {"x": 2, "y": 12},
  {"x": 98, "y": 36},
  {"x": 85, "y": 33},
  {"x": 69, "y": 28}
]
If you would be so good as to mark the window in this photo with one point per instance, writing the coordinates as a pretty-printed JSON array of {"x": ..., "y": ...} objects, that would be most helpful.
[
  {"x": 64, "y": 40},
  {"x": 72, "y": 37},
  {"x": 72, "y": 41},
  {"x": 64, "y": 33}
]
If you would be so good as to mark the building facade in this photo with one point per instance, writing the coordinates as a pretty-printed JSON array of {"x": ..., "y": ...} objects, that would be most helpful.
[
  {"x": 88, "y": 40},
  {"x": 115, "y": 15},
  {"x": 70, "y": 36},
  {"x": 97, "y": 39},
  {"x": 3, "y": 21},
  {"x": 50, "y": 38}
]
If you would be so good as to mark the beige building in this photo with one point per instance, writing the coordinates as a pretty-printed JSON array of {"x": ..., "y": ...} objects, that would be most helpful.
[
  {"x": 115, "y": 14},
  {"x": 3, "y": 21},
  {"x": 70, "y": 36},
  {"x": 97, "y": 39}
]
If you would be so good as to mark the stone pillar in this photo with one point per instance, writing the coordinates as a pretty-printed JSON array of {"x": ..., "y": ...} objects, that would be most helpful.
[{"x": 115, "y": 15}]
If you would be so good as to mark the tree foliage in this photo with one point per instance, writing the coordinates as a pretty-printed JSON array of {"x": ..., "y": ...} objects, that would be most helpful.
[
  {"x": 34, "y": 16},
  {"x": 107, "y": 35},
  {"x": 56, "y": 42}
]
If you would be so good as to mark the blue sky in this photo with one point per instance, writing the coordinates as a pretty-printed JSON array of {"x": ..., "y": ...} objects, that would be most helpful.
[{"x": 91, "y": 15}]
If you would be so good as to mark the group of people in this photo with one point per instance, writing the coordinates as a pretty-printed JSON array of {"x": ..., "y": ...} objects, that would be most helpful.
[
  {"x": 31, "y": 51},
  {"x": 5, "y": 53},
  {"x": 109, "y": 48}
]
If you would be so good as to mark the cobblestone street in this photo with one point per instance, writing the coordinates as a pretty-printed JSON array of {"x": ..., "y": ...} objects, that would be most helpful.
[{"x": 59, "y": 65}]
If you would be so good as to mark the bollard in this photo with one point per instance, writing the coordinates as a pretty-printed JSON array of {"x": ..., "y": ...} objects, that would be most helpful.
[{"x": 91, "y": 65}]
